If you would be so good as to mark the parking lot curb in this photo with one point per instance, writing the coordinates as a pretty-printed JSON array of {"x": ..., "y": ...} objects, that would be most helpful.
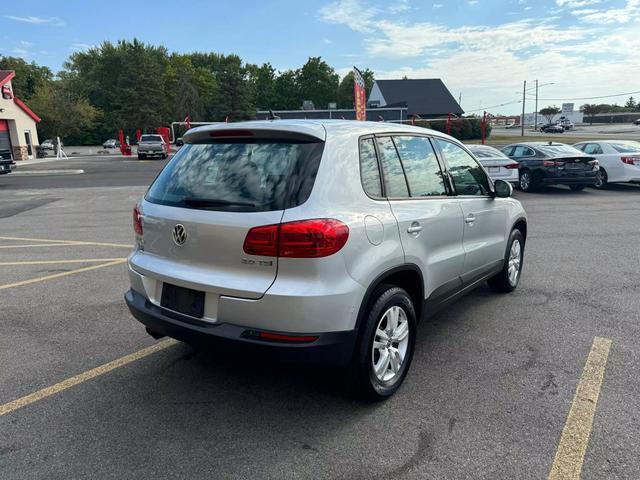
[{"x": 43, "y": 173}]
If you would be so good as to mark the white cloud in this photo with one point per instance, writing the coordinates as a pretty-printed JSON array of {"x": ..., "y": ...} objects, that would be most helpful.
[
  {"x": 472, "y": 2},
  {"x": 630, "y": 12},
  {"x": 399, "y": 7},
  {"x": 327, "y": 41},
  {"x": 438, "y": 5},
  {"x": 350, "y": 13},
  {"x": 80, "y": 46},
  {"x": 37, "y": 20},
  {"x": 575, "y": 3}
]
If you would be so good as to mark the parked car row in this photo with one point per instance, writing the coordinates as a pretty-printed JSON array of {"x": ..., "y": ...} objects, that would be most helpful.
[{"x": 530, "y": 165}]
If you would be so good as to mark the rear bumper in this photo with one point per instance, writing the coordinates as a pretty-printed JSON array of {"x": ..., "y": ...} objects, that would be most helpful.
[
  {"x": 330, "y": 348},
  {"x": 587, "y": 178}
]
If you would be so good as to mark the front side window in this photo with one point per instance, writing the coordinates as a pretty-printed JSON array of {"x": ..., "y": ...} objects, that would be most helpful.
[
  {"x": 369, "y": 172},
  {"x": 394, "y": 181},
  {"x": 468, "y": 177},
  {"x": 421, "y": 166},
  {"x": 239, "y": 176}
]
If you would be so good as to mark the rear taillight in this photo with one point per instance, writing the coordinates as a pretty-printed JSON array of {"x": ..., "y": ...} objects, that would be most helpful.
[
  {"x": 315, "y": 238},
  {"x": 550, "y": 163},
  {"x": 512, "y": 166},
  {"x": 137, "y": 221},
  {"x": 630, "y": 160}
]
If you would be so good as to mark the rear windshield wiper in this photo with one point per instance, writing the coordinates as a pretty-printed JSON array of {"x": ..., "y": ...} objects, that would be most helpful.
[{"x": 214, "y": 202}]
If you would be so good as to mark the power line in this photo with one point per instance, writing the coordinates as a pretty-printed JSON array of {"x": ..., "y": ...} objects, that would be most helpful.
[
  {"x": 590, "y": 98},
  {"x": 493, "y": 106}
]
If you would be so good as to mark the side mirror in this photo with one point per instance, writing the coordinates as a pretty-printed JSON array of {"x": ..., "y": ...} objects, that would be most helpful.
[{"x": 502, "y": 189}]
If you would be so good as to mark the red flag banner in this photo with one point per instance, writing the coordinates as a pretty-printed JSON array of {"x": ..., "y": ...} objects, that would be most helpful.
[{"x": 359, "y": 95}]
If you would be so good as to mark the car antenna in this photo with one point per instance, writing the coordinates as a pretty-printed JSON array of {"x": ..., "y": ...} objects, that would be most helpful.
[{"x": 272, "y": 116}]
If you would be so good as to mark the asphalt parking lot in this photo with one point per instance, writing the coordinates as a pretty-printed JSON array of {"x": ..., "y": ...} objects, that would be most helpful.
[{"x": 491, "y": 393}]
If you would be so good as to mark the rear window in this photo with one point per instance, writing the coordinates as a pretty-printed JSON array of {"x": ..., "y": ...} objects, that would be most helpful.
[
  {"x": 243, "y": 176},
  {"x": 486, "y": 152},
  {"x": 626, "y": 147},
  {"x": 150, "y": 138},
  {"x": 559, "y": 150}
]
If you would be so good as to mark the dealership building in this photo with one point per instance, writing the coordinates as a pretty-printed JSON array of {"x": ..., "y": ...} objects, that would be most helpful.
[{"x": 18, "y": 124}]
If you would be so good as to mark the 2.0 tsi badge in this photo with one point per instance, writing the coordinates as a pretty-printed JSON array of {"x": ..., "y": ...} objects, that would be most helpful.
[{"x": 179, "y": 234}]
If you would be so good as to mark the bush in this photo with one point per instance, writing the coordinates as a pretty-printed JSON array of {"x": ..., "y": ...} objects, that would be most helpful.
[{"x": 461, "y": 128}]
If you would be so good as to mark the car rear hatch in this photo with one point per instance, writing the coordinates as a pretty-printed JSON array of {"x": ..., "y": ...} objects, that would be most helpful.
[{"x": 222, "y": 183}]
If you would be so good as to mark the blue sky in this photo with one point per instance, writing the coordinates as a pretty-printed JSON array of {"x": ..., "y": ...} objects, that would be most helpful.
[{"x": 482, "y": 49}]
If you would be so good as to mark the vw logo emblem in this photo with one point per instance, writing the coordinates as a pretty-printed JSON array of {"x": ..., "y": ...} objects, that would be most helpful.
[{"x": 179, "y": 234}]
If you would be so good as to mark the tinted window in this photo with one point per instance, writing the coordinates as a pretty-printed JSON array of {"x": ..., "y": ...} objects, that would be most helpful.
[
  {"x": 394, "y": 181},
  {"x": 522, "y": 151},
  {"x": 592, "y": 149},
  {"x": 369, "y": 172},
  {"x": 238, "y": 176},
  {"x": 468, "y": 176},
  {"x": 151, "y": 138},
  {"x": 486, "y": 152},
  {"x": 420, "y": 166},
  {"x": 559, "y": 149}
]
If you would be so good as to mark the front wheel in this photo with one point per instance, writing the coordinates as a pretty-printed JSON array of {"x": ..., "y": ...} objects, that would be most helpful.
[
  {"x": 384, "y": 349},
  {"x": 507, "y": 280}
]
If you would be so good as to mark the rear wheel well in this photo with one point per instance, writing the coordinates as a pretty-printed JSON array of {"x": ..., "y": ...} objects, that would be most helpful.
[{"x": 408, "y": 279}]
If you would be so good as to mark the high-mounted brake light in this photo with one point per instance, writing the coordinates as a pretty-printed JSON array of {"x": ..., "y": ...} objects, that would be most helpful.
[
  {"x": 231, "y": 133},
  {"x": 315, "y": 238},
  {"x": 137, "y": 221}
]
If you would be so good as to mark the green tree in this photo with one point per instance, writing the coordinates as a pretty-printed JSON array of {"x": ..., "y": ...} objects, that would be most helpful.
[
  {"x": 29, "y": 76},
  {"x": 318, "y": 82},
  {"x": 631, "y": 104},
  {"x": 549, "y": 112},
  {"x": 234, "y": 93},
  {"x": 287, "y": 91},
  {"x": 345, "y": 90},
  {"x": 590, "y": 109},
  {"x": 262, "y": 82},
  {"x": 64, "y": 114}
]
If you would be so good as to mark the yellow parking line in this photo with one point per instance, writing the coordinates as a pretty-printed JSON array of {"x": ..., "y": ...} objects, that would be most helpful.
[
  {"x": 61, "y": 274},
  {"x": 83, "y": 377},
  {"x": 49, "y": 262},
  {"x": 569, "y": 458},
  {"x": 52, "y": 243}
]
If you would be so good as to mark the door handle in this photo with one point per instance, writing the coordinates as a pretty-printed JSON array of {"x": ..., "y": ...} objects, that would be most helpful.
[
  {"x": 470, "y": 218},
  {"x": 414, "y": 228}
]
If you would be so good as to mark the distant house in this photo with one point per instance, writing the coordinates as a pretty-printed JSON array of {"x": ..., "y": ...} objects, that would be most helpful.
[
  {"x": 426, "y": 98},
  {"x": 18, "y": 132}
]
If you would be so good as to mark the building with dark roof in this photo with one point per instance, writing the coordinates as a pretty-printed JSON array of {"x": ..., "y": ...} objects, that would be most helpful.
[
  {"x": 425, "y": 98},
  {"x": 18, "y": 132}
]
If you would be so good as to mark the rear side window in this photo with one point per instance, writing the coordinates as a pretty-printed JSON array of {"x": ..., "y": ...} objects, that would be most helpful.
[
  {"x": 369, "y": 172},
  {"x": 421, "y": 166},
  {"x": 592, "y": 149},
  {"x": 394, "y": 181},
  {"x": 247, "y": 176},
  {"x": 522, "y": 151}
]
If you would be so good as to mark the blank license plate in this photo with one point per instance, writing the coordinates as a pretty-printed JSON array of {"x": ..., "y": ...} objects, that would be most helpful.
[
  {"x": 183, "y": 300},
  {"x": 494, "y": 169}
]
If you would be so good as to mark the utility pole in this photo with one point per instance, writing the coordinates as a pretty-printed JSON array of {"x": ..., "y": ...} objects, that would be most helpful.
[
  {"x": 535, "y": 124},
  {"x": 524, "y": 96}
]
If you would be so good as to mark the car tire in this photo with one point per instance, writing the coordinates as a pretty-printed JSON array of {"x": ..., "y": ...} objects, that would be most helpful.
[
  {"x": 576, "y": 188},
  {"x": 526, "y": 181},
  {"x": 377, "y": 347},
  {"x": 141, "y": 157},
  {"x": 603, "y": 179},
  {"x": 507, "y": 280}
]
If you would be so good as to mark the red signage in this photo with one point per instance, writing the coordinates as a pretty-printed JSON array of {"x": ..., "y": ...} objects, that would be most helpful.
[
  {"x": 359, "y": 95},
  {"x": 6, "y": 92}
]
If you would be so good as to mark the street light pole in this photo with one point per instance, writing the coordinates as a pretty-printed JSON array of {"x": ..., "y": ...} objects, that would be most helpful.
[
  {"x": 535, "y": 123},
  {"x": 524, "y": 97}
]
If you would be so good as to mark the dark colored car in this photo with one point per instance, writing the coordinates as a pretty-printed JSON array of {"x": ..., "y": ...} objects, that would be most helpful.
[
  {"x": 636, "y": 122},
  {"x": 179, "y": 142},
  {"x": 549, "y": 163},
  {"x": 6, "y": 162},
  {"x": 552, "y": 128}
]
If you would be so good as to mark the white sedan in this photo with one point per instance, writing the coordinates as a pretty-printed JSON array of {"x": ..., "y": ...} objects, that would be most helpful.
[
  {"x": 496, "y": 163},
  {"x": 619, "y": 160}
]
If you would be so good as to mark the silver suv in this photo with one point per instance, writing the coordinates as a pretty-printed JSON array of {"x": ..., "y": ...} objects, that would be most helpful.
[{"x": 324, "y": 240}]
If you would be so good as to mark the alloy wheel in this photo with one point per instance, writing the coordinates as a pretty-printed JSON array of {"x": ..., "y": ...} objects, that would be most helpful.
[
  {"x": 515, "y": 259},
  {"x": 390, "y": 344}
]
